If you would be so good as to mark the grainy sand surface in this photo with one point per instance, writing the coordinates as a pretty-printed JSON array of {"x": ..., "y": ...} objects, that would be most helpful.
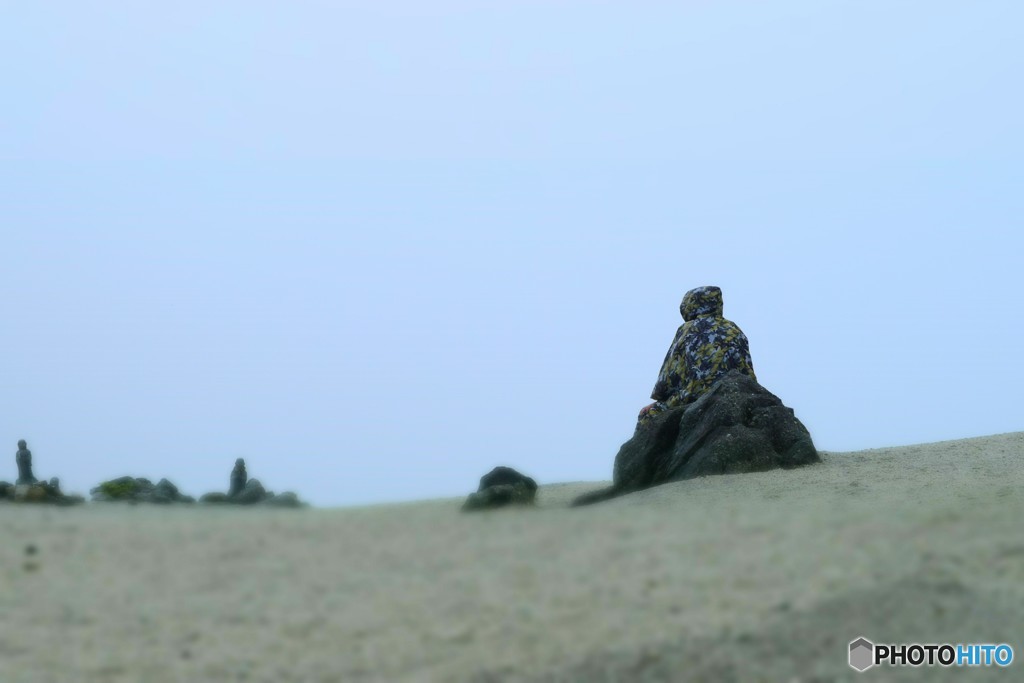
[{"x": 760, "y": 577}]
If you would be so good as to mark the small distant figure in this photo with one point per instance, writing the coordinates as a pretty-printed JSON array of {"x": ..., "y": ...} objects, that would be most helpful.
[
  {"x": 239, "y": 477},
  {"x": 24, "y": 460},
  {"x": 705, "y": 348}
]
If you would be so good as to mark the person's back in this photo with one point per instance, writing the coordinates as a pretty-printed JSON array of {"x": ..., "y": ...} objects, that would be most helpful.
[{"x": 705, "y": 347}]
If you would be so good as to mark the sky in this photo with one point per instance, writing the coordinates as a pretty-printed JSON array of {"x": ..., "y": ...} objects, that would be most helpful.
[{"x": 378, "y": 248}]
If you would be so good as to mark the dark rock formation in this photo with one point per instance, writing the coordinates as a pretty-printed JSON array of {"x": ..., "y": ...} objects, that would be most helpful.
[
  {"x": 506, "y": 475},
  {"x": 253, "y": 492},
  {"x": 498, "y": 496},
  {"x": 24, "y": 460},
  {"x": 737, "y": 426},
  {"x": 245, "y": 491},
  {"x": 44, "y": 492},
  {"x": 238, "y": 478},
  {"x": 29, "y": 489},
  {"x": 138, "y": 490},
  {"x": 214, "y": 497},
  {"x": 166, "y": 492},
  {"x": 500, "y": 487}
]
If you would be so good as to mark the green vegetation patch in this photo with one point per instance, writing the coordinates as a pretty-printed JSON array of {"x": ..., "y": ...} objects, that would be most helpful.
[{"x": 120, "y": 488}]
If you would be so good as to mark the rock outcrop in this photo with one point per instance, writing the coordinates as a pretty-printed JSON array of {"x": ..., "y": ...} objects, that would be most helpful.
[
  {"x": 139, "y": 490},
  {"x": 46, "y": 492},
  {"x": 500, "y": 487},
  {"x": 215, "y": 498},
  {"x": 253, "y": 492},
  {"x": 736, "y": 426},
  {"x": 28, "y": 489},
  {"x": 245, "y": 491}
]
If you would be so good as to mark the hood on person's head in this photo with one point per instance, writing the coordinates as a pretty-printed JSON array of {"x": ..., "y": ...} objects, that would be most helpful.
[{"x": 700, "y": 302}]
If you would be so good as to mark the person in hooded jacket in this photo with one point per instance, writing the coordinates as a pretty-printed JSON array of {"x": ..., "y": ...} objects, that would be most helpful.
[{"x": 706, "y": 346}]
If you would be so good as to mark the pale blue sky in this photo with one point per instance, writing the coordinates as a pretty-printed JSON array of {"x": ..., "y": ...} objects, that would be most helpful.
[{"x": 378, "y": 248}]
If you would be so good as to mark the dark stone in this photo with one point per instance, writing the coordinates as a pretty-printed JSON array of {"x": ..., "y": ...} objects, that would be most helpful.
[
  {"x": 47, "y": 493},
  {"x": 737, "y": 426},
  {"x": 31, "y": 493},
  {"x": 51, "y": 488},
  {"x": 42, "y": 492},
  {"x": 500, "y": 487},
  {"x": 166, "y": 492},
  {"x": 505, "y": 475},
  {"x": 215, "y": 497},
  {"x": 498, "y": 496},
  {"x": 246, "y": 491},
  {"x": 24, "y": 459},
  {"x": 238, "y": 478},
  {"x": 254, "y": 494},
  {"x": 251, "y": 494}
]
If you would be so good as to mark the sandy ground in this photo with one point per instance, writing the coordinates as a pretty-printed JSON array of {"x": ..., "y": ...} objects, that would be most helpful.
[{"x": 761, "y": 577}]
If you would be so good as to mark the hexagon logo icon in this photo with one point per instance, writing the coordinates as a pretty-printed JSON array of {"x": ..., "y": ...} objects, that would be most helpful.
[{"x": 862, "y": 653}]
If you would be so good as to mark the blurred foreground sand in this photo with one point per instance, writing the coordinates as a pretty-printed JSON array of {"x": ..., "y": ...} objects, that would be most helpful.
[{"x": 734, "y": 578}]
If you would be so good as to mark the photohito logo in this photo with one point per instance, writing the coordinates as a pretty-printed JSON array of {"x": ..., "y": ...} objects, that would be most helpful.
[{"x": 864, "y": 654}]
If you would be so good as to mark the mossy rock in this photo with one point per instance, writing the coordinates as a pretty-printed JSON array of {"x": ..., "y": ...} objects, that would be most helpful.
[
  {"x": 123, "y": 488},
  {"x": 120, "y": 488},
  {"x": 37, "y": 494}
]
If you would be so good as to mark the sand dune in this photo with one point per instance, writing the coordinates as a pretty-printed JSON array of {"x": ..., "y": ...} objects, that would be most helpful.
[{"x": 735, "y": 578}]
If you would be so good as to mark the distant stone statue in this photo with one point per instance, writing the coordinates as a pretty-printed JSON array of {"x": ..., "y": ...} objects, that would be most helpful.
[
  {"x": 238, "y": 478},
  {"x": 24, "y": 460}
]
